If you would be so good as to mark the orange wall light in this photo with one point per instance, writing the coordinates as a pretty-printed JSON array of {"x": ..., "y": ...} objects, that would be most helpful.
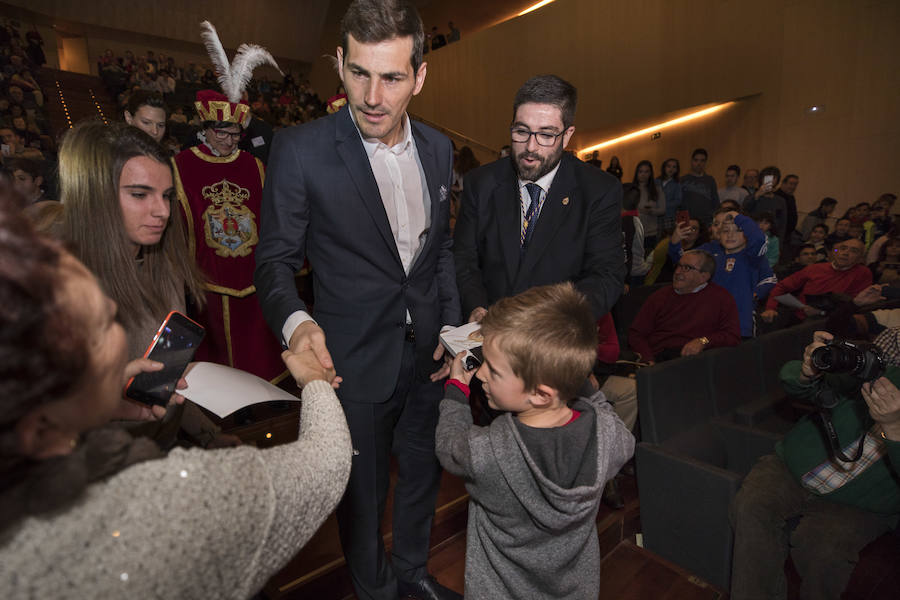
[
  {"x": 659, "y": 126},
  {"x": 534, "y": 7}
]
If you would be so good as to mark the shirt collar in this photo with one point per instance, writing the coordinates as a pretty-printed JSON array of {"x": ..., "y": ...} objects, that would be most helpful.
[
  {"x": 546, "y": 181},
  {"x": 693, "y": 291},
  {"x": 371, "y": 145}
]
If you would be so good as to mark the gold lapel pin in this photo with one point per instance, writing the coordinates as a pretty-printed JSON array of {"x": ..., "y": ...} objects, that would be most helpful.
[{"x": 566, "y": 201}]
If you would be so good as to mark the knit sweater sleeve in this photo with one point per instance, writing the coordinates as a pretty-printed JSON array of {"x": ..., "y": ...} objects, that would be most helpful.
[
  {"x": 452, "y": 434},
  {"x": 788, "y": 285},
  {"x": 195, "y": 524},
  {"x": 644, "y": 324},
  {"x": 307, "y": 479},
  {"x": 862, "y": 279}
]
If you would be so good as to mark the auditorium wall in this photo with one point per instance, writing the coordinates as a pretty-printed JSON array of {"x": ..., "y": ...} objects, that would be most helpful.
[{"x": 634, "y": 62}]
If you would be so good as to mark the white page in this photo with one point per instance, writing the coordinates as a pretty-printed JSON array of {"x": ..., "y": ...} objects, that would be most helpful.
[
  {"x": 789, "y": 300},
  {"x": 223, "y": 390}
]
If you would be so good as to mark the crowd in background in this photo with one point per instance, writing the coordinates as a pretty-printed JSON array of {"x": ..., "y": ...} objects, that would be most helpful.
[
  {"x": 23, "y": 119},
  {"x": 661, "y": 200},
  {"x": 278, "y": 103}
]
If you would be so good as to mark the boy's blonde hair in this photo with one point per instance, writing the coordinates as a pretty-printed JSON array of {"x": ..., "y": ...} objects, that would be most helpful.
[{"x": 548, "y": 334}]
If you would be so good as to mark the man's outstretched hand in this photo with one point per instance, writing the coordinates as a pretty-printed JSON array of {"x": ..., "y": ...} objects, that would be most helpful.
[{"x": 308, "y": 340}]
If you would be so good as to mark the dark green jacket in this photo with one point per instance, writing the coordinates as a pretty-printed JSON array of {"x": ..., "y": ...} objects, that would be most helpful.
[{"x": 877, "y": 489}]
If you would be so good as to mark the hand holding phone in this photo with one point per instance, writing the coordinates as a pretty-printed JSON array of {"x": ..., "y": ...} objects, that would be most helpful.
[
  {"x": 174, "y": 346},
  {"x": 682, "y": 216}
]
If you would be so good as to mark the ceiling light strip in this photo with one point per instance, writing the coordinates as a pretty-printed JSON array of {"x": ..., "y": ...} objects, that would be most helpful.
[
  {"x": 534, "y": 7},
  {"x": 659, "y": 126}
]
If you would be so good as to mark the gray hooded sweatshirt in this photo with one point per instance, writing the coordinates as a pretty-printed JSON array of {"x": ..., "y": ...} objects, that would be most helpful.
[{"x": 534, "y": 495}]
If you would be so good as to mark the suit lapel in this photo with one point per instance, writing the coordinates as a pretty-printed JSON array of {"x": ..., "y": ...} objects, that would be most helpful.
[
  {"x": 553, "y": 213},
  {"x": 352, "y": 152},
  {"x": 429, "y": 161},
  {"x": 505, "y": 199}
]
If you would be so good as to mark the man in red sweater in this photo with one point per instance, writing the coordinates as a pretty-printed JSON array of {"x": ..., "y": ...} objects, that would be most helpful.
[
  {"x": 845, "y": 274},
  {"x": 690, "y": 316}
]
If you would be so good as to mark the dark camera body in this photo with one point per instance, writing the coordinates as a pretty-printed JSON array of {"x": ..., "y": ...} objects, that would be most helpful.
[
  {"x": 474, "y": 358},
  {"x": 860, "y": 359}
]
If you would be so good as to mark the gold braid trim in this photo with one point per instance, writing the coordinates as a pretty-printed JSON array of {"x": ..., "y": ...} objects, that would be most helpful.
[
  {"x": 215, "y": 159},
  {"x": 186, "y": 210}
]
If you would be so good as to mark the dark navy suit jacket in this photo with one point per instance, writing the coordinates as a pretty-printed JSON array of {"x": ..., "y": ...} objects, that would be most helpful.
[
  {"x": 577, "y": 238},
  {"x": 321, "y": 202}
]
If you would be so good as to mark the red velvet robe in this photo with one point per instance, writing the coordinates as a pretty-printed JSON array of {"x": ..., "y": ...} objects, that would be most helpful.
[{"x": 220, "y": 199}]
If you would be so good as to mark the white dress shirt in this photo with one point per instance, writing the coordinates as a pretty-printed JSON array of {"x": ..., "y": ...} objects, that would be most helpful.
[{"x": 404, "y": 193}]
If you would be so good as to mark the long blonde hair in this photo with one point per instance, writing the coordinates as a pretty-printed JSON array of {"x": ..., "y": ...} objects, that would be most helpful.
[{"x": 91, "y": 160}]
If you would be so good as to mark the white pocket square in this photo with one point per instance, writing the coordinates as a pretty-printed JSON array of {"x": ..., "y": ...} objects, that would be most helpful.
[{"x": 443, "y": 193}]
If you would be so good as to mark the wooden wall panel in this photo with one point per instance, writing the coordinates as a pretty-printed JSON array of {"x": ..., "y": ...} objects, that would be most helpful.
[{"x": 636, "y": 61}]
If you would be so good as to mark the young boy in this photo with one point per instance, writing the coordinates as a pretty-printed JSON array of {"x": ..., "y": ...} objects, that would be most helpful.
[{"x": 535, "y": 476}]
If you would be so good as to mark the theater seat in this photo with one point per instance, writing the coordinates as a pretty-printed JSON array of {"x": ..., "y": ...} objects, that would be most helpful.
[
  {"x": 693, "y": 455},
  {"x": 686, "y": 484},
  {"x": 673, "y": 397}
]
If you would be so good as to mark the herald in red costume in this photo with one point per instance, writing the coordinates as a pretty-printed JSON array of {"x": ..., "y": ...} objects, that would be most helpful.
[{"x": 220, "y": 198}]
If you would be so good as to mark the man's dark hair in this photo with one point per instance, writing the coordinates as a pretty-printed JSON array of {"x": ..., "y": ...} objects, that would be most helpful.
[
  {"x": 786, "y": 177},
  {"x": 145, "y": 98},
  {"x": 827, "y": 201},
  {"x": 373, "y": 21},
  {"x": 734, "y": 168},
  {"x": 707, "y": 263},
  {"x": 700, "y": 151},
  {"x": 824, "y": 226},
  {"x": 805, "y": 247},
  {"x": 549, "y": 89}
]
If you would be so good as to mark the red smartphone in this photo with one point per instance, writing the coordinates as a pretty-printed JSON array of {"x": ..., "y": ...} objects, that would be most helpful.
[
  {"x": 682, "y": 216},
  {"x": 174, "y": 346}
]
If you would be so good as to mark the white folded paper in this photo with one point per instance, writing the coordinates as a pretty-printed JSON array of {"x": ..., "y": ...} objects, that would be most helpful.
[
  {"x": 223, "y": 390},
  {"x": 462, "y": 338},
  {"x": 789, "y": 300}
]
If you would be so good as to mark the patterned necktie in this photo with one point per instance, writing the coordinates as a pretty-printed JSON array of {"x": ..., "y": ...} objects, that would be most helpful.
[{"x": 534, "y": 190}]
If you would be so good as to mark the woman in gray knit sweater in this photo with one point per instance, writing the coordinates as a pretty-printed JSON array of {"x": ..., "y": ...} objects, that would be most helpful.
[{"x": 86, "y": 511}]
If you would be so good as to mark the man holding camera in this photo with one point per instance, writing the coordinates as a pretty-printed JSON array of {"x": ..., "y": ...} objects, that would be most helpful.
[{"x": 803, "y": 500}]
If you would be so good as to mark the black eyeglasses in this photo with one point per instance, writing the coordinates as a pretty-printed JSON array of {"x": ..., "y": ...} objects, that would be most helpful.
[
  {"x": 521, "y": 135},
  {"x": 221, "y": 134},
  {"x": 686, "y": 267}
]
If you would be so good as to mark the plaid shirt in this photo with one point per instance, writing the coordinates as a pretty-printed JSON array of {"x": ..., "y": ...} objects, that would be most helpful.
[{"x": 831, "y": 475}]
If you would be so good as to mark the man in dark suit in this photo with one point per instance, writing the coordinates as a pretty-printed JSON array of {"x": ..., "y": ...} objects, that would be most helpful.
[
  {"x": 363, "y": 194},
  {"x": 539, "y": 216}
]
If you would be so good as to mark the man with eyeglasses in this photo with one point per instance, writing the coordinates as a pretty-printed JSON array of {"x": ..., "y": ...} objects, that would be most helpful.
[
  {"x": 689, "y": 316},
  {"x": 220, "y": 191},
  {"x": 539, "y": 216},
  {"x": 845, "y": 274}
]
